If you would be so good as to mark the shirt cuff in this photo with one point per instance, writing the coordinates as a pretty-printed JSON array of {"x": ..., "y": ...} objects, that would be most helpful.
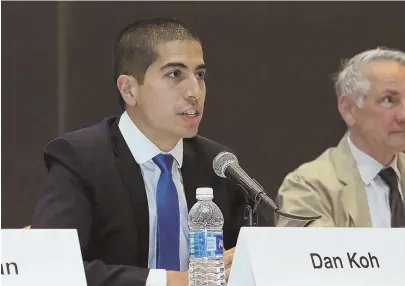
[{"x": 156, "y": 277}]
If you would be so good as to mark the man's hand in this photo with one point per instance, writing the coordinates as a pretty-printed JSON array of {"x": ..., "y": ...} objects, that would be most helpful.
[
  {"x": 228, "y": 258},
  {"x": 177, "y": 278}
]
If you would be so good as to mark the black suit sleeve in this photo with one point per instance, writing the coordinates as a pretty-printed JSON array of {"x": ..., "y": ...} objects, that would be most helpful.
[
  {"x": 65, "y": 203},
  {"x": 237, "y": 206}
]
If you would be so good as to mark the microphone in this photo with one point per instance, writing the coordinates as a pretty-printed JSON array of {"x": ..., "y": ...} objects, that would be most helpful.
[{"x": 226, "y": 165}]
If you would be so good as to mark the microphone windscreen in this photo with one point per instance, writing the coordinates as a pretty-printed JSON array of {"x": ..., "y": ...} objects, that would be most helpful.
[{"x": 222, "y": 161}]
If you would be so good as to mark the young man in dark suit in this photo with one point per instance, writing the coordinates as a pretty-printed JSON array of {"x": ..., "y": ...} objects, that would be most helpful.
[{"x": 127, "y": 183}]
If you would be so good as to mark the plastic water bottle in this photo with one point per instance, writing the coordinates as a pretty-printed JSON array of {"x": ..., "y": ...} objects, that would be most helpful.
[{"x": 206, "y": 260}]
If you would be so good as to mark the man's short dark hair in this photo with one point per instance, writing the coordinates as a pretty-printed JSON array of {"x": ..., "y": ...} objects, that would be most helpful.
[{"x": 134, "y": 49}]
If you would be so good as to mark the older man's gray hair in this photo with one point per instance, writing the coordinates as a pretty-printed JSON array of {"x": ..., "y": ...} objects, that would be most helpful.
[{"x": 352, "y": 79}]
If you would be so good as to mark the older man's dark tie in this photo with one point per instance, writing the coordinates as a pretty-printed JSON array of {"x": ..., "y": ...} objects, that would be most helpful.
[{"x": 396, "y": 204}]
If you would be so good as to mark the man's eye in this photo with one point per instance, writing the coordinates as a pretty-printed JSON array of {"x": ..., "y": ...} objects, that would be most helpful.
[
  {"x": 201, "y": 75},
  {"x": 388, "y": 99},
  {"x": 174, "y": 74}
]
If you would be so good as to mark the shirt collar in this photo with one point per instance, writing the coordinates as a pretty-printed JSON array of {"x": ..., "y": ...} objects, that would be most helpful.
[
  {"x": 368, "y": 167},
  {"x": 142, "y": 149}
]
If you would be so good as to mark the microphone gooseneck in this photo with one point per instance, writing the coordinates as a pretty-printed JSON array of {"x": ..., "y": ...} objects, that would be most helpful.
[{"x": 226, "y": 165}]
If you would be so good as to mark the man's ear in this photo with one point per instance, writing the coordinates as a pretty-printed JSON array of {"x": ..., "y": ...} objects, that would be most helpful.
[
  {"x": 347, "y": 108},
  {"x": 129, "y": 89}
]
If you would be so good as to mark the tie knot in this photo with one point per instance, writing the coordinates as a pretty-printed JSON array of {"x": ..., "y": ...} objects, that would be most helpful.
[
  {"x": 389, "y": 177},
  {"x": 164, "y": 162}
]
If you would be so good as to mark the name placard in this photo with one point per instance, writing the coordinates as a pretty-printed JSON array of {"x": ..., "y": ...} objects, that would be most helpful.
[
  {"x": 41, "y": 257},
  {"x": 319, "y": 257}
]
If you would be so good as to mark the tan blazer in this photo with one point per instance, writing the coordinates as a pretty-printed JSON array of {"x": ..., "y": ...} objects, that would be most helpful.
[{"x": 329, "y": 186}]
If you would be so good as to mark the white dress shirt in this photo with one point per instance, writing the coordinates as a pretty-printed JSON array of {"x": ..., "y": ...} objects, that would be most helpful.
[
  {"x": 143, "y": 150},
  {"x": 376, "y": 189}
]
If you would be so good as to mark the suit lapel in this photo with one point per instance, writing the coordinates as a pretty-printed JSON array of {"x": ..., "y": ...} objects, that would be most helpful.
[
  {"x": 354, "y": 196},
  {"x": 192, "y": 173},
  {"x": 132, "y": 177},
  {"x": 401, "y": 167}
]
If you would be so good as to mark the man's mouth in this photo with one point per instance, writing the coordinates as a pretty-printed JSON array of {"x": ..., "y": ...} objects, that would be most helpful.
[
  {"x": 401, "y": 132},
  {"x": 191, "y": 113}
]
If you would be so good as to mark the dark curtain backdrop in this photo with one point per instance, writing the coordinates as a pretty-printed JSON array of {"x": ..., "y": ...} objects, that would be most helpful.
[{"x": 270, "y": 94}]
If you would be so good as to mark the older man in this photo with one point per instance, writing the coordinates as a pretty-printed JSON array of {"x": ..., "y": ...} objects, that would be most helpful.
[{"x": 360, "y": 182}]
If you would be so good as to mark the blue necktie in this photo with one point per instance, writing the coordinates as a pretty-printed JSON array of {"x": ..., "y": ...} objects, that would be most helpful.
[{"x": 168, "y": 216}]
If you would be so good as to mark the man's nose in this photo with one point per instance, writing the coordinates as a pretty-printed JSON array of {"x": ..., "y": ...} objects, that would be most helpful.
[
  {"x": 192, "y": 90},
  {"x": 401, "y": 112}
]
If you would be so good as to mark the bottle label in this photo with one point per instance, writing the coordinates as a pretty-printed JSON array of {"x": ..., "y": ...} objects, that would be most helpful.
[{"x": 205, "y": 244}]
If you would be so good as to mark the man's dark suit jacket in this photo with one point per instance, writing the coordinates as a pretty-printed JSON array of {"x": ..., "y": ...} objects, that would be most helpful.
[{"x": 95, "y": 186}]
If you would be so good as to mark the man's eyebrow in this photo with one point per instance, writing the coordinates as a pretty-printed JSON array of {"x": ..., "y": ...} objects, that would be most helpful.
[
  {"x": 181, "y": 65},
  {"x": 391, "y": 91},
  {"x": 202, "y": 66},
  {"x": 173, "y": 65}
]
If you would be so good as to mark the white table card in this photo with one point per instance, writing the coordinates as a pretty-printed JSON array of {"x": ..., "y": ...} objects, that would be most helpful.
[
  {"x": 319, "y": 257},
  {"x": 41, "y": 257}
]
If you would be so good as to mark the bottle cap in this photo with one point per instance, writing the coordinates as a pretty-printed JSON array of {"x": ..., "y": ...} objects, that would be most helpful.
[{"x": 205, "y": 193}]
